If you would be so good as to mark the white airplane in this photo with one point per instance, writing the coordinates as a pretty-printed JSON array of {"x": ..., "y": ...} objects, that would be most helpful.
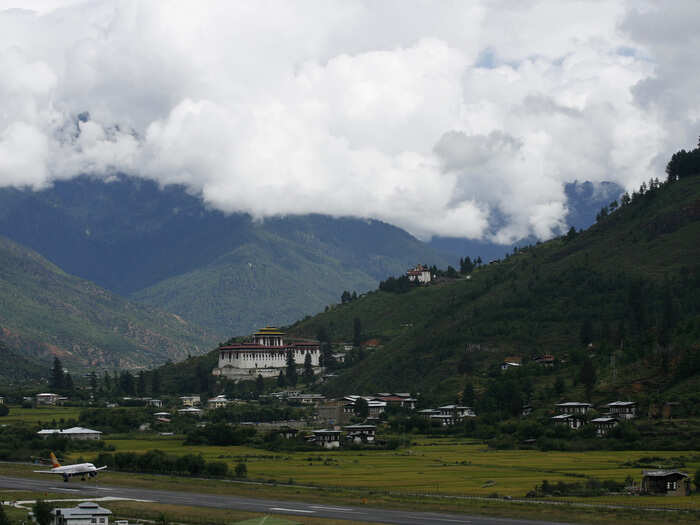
[{"x": 80, "y": 469}]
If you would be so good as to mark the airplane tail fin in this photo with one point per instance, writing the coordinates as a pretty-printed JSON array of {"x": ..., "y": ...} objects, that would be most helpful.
[{"x": 54, "y": 461}]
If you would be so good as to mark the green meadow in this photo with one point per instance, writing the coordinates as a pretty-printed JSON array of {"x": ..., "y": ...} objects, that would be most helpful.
[
  {"x": 40, "y": 415},
  {"x": 433, "y": 466}
]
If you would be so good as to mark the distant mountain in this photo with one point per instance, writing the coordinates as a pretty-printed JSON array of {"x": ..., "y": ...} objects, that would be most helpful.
[
  {"x": 228, "y": 273},
  {"x": 584, "y": 201},
  {"x": 45, "y": 312}
]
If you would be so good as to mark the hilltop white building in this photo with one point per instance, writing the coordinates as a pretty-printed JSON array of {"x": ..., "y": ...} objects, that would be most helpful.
[{"x": 264, "y": 356}]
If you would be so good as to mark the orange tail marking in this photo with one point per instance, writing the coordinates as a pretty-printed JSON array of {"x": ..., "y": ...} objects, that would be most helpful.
[{"x": 54, "y": 461}]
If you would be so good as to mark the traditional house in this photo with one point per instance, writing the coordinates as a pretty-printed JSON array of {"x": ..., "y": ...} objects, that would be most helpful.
[
  {"x": 155, "y": 403},
  {"x": 507, "y": 365},
  {"x": 190, "y": 401},
  {"x": 86, "y": 513},
  {"x": 287, "y": 432},
  {"x": 339, "y": 357},
  {"x": 420, "y": 274},
  {"x": 327, "y": 438},
  {"x": 376, "y": 408},
  {"x": 2, "y": 400},
  {"x": 666, "y": 482},
  {"x": 573, "y": 407},
  {"x": 361, "y": 433},
  {"x": 219, "y": 401},
  {"x": 47, "y": 399},
  {"x": 603, "y": 425},
  {"x": 75, "y": 433},
  {"x": 545, "y": 360},
  {"x": 573, "y": 421},
  {"x": 622, "y": 409},
  {"x": 394, "y": 400},
  {"x": 190, "y": 411},
  {"x": 457, "y": 411},
  {"x": 308, "y": 399}
]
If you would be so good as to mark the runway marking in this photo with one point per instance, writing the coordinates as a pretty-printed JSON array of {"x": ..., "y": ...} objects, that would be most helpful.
[
  {"x": 453, "y": 521},
  {"x": 63, "y": 488},
  {"x": 293, "y": 510},
  {"x": 332, "y": 508},
  {"x": 100, "y": 488}
]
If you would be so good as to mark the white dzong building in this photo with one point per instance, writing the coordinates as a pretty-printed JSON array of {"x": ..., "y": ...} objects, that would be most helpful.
[{"x": 265, "y": 355}]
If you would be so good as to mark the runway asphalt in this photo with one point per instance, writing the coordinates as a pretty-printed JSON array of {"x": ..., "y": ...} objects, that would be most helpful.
[{"x": 265, "y": 506}]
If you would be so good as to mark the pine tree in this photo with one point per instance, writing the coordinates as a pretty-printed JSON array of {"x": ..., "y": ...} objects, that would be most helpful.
[
  {"x": 155, "y": 382},
  {"x": 291, "y": 374},
  {"x": 281, "y": 380},
  {"x": 56, "y": 381},
  {"x": 93, "y": 381},
  {"x": 356, "y": 332},
  {"x": 107, "y": 382},
  {"x": 308, "y": 369},
  {"x": 259, "y": 385},
  {"x": 141, "y": 383},
  {"x": 588, "y": 376},
  {"x": 68, "y": 385}
]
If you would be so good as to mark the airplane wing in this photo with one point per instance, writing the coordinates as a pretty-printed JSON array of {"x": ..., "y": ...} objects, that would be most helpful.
[
  {"x": 45, "y": 472},
  {"x": 101, "y": 468}
]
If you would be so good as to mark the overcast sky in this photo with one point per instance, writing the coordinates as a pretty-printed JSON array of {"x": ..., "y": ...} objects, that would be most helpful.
[{"x": 433, "y": 116}]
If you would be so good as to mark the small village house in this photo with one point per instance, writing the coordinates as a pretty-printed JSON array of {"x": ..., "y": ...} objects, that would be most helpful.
[
  {"x": 545, "y": 360},
  {"x": 603, "y": 425},
  {"x": 573, "y": 407},
  {"x": 420, "y": 274},
  {"x": 190, "y": 401},
  {"x": 219, "y": 401},
  {"x": 361, "y": 433},
  {"x": 622, "y": 409},
  {"x": 573, "y": 421},
  {"x": 327, "y": 438},
  {"x": 74, "y": 433},
  {"x": 47, "y": 399},
  {"x": 190, "y": 411},
  {"x": 507, "y": 365},
  {"x": 155, "y": 403},
  {"x": 86, "y": 513},
  {"x": 666, "y": 482},
  {"x": 2, "y": 400}
]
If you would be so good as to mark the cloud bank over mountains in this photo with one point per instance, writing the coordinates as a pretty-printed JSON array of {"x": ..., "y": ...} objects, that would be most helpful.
[{"x": 433, "y": 116}]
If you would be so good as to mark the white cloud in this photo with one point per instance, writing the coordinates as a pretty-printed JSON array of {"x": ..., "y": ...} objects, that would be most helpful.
[{"x": 460, "y": 119}]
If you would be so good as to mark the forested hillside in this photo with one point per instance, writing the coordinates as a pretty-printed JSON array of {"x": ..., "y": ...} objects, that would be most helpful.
[
  {"x": 621, "y": 299},
  {"x": 46, "y": 312}
]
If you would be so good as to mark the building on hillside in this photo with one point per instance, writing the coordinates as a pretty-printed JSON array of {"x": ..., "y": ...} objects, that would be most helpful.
[
  {"x": 47, "y": 399},
  {"x": 307, "y": 399},
  {"x": 361, "y": 433},
  {"x": 420, "y": 274},
  {"x": 507, "y": 365},
  {"x": 603, "y": 425},
  {"x": 327, "y": 438},
  {"x": 666, "y": 482},
  {"x": 75, "y": 433},
  {"x": 395, "y": 400},
  {"x": 339, "y": 357},
  {"x": 2, "y": 400},
  {"x": 573, "y": 407},
  {"x": 190, "y": 411},
  {"x": 190, "y": 401},
  {"x": 219, "y": 401},
  {"x": 622, "y": 409},
  {"x": 86, "y": 513},
  {"x": 265, "y": 355},
  {"x": 545, "y": 360},
  {"x": 155, "y": 403},
  {"x": 573, "y": 421}
]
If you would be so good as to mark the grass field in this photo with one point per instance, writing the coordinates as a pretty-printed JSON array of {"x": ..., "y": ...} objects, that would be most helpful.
[
  {"x": 433, "y": 466},
  {"x": 41, "y": 415}
]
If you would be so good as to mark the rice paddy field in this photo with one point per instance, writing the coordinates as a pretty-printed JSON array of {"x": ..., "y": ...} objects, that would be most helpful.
[
  {"x": 436, "y": 466},
  {"x": 40, "y": 415}
]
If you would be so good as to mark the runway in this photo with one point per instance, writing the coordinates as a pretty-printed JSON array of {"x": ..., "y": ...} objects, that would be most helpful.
[{"x": 265, "y": 506}]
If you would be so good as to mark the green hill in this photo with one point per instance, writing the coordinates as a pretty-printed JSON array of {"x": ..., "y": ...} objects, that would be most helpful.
[
  {"x": 629, "y": 285},
  {"x": 46, "y": 312},
  {"x": 284, "y": 270}
]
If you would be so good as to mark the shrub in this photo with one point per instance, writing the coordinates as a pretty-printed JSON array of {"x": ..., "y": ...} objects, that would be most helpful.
[{"x": 241, "y": 470}]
